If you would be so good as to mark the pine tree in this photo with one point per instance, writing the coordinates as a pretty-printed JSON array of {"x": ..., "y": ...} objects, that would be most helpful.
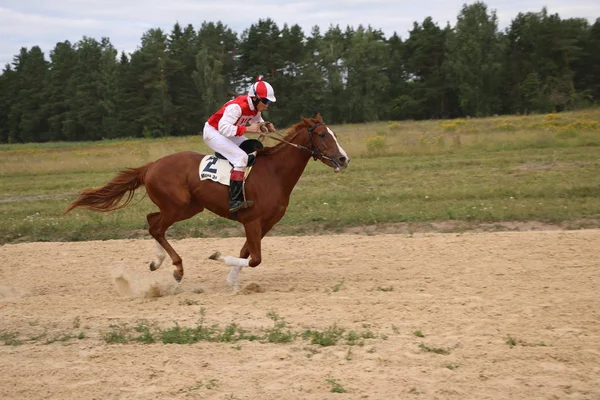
[
  {"x": 332, "y": 49},
  {"x": 214, "y": 71},
  {"x": 182, "y": 49},
  {"x": 27, "y": 122},
  {"x": 85, "y": 109},
  {"x": 367, "y": 83},
  {"x": 8, "y": 92},
  {"x": 475, "y": 60},
  {"x": 63, "y": 60},
  {"x": 425, "y": 54},
  {"x": 543, "y": 55},
  {"x": 303, "y": 87},
  {"x": 224, "y": 43},
  {"x": 259, "y": 52},
  {"x": 291, "y": 81},
  {"x": 109, "y": 90},
  {"x": 208, "y": 80},
  {"x": 149, "y": 67},
  {"x": 587, "y": 68}
]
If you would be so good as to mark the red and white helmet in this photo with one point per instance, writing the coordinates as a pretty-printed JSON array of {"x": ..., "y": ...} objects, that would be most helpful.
[{"x": 262, "y": 90}]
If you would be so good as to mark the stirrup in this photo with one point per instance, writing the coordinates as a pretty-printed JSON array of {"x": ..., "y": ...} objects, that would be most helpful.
[{"x": 238, "y": 205}]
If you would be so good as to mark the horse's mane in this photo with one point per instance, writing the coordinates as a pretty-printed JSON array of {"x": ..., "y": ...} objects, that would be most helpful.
[{"x": 291, "y": 132}]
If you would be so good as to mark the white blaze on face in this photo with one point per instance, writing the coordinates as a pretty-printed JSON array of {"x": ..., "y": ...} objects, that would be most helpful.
[{"x": 338, "y": 145}]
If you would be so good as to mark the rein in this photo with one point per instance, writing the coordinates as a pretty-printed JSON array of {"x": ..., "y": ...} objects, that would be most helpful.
[{"x": 314, "y": 152}]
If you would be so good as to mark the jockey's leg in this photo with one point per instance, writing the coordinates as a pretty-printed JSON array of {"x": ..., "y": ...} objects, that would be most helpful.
[
  {"x": 236, "y": 179},
  {"x": 236, "y": 191},
  {"x": 229, "y": 148}
]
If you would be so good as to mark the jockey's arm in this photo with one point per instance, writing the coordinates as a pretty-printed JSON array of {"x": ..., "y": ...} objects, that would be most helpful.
[{"x": 227, "y": 125}]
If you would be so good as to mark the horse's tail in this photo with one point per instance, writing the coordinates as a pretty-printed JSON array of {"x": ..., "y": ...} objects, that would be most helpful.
[{"x": 107, "y": 197}]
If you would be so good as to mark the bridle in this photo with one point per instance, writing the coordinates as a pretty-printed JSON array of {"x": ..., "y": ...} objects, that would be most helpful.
[{"x": 313, "y": 151}]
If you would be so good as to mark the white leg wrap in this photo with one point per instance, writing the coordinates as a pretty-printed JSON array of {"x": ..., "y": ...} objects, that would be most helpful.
[
  {"x": 236, "y": 261},
  {"x": 232, "y": 278},
  {"x": 236, "y": 265},
  {"x": 160, "y": 254}
]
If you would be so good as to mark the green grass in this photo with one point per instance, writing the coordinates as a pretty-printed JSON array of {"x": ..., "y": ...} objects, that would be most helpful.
[
  {"x": 11, "y": 339},
  {"x": 278, "y": 333},
  {"x": 457, "y": 174},
  {"x": 151, "y": 332},
  {"x": 328, "y": 337},
  {"x": 336, "y": 387},
  {"x": 337, "y": 286},
  {"x": 65, "y": 337},
  {"x": 208, "y": 384},
  {"x": 511, "y": 341},
  {"x": 436, "y": 350},
  {"x": 117, "y": 334}
]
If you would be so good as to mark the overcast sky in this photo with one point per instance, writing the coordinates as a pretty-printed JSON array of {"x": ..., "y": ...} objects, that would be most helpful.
[{"x": 26, "y": 23}]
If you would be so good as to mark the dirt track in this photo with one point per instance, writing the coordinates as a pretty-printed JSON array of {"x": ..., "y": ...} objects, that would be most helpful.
[{"x": 468, "y": 294}]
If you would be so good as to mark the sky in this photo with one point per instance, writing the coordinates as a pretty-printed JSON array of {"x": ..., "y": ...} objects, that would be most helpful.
[{"x": 27, "y": 23}]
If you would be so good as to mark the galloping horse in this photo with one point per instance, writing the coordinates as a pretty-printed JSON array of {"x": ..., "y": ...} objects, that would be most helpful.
[{"x": 173, "y": 184}]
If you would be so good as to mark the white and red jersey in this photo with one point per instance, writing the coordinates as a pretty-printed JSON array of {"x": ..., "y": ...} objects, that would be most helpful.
[{"x": 231, "y": 119}]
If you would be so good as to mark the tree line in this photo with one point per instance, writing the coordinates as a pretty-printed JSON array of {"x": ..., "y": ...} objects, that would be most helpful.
[{"x": 174, "y": 81}]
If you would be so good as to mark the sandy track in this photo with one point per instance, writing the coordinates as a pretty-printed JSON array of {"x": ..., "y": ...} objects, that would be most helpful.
[{"x": 467, "y": 294}]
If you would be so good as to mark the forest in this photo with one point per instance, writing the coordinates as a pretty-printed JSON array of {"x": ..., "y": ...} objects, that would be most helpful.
[{"x": 175, "y": 80}]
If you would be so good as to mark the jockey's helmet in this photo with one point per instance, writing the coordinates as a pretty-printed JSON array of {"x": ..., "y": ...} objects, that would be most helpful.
[{"x": 263, "y": 90}]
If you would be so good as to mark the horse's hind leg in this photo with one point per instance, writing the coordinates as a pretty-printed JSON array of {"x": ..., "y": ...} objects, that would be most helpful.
[
  {"x": 158, "y": 225},
  {"x": 160, "y": 251}
]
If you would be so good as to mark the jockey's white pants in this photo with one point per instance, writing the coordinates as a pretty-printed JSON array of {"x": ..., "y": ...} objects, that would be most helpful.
[{"x": 227, "y": 146}]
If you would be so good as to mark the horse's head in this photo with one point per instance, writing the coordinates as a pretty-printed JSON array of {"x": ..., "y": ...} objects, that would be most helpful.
[{"x": 324, "y": 144}]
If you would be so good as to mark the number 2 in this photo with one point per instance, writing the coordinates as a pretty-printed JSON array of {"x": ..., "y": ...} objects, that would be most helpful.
[{"x": 208, "y": 168}]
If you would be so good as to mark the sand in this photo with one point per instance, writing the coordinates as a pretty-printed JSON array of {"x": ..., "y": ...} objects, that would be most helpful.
[{"x": 516, "y": 315}]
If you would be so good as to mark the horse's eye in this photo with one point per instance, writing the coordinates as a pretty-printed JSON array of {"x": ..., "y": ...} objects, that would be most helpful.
[{"x": 322, "y": 135}]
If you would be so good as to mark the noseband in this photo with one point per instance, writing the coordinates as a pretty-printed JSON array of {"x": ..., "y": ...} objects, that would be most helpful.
[{"x": 313, "y": 149}]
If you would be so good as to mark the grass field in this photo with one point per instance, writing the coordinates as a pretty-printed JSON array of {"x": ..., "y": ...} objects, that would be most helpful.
[{"x": 445, "y": 175}]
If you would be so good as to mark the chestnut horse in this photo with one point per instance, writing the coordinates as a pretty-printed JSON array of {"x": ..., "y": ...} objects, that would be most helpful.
[{"x": 173, "y": 184}]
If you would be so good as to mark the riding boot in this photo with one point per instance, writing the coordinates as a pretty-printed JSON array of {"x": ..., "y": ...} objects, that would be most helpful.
[{"x": 236, "y": 192}]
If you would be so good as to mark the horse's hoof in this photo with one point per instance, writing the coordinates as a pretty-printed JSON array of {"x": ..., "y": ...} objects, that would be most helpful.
[
  {"x": 153, "y": 266},
  {"x": 177, "y": 276},
  {"x": 215, "y": 255}
]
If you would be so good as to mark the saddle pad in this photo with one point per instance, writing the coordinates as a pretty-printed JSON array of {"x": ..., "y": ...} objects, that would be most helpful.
[{"x": 215, "y": 169}]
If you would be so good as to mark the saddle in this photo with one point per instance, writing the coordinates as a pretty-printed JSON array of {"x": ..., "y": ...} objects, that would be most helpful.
[{"x": 217, "y": 168}]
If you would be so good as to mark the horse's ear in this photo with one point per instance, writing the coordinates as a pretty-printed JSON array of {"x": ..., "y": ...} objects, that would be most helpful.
[
  {"x": 306, "y": 121},
  {"x": 319, "y": 118}
]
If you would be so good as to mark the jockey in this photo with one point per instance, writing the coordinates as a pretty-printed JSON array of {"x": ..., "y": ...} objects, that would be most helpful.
[{"x": 224, "y": 132}]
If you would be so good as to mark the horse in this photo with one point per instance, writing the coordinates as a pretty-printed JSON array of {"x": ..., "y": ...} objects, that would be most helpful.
[{"x": 173, "y": 184}]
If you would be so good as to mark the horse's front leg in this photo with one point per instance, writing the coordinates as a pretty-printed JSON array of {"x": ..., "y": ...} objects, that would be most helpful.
[{"x": 251, "y": 248}]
